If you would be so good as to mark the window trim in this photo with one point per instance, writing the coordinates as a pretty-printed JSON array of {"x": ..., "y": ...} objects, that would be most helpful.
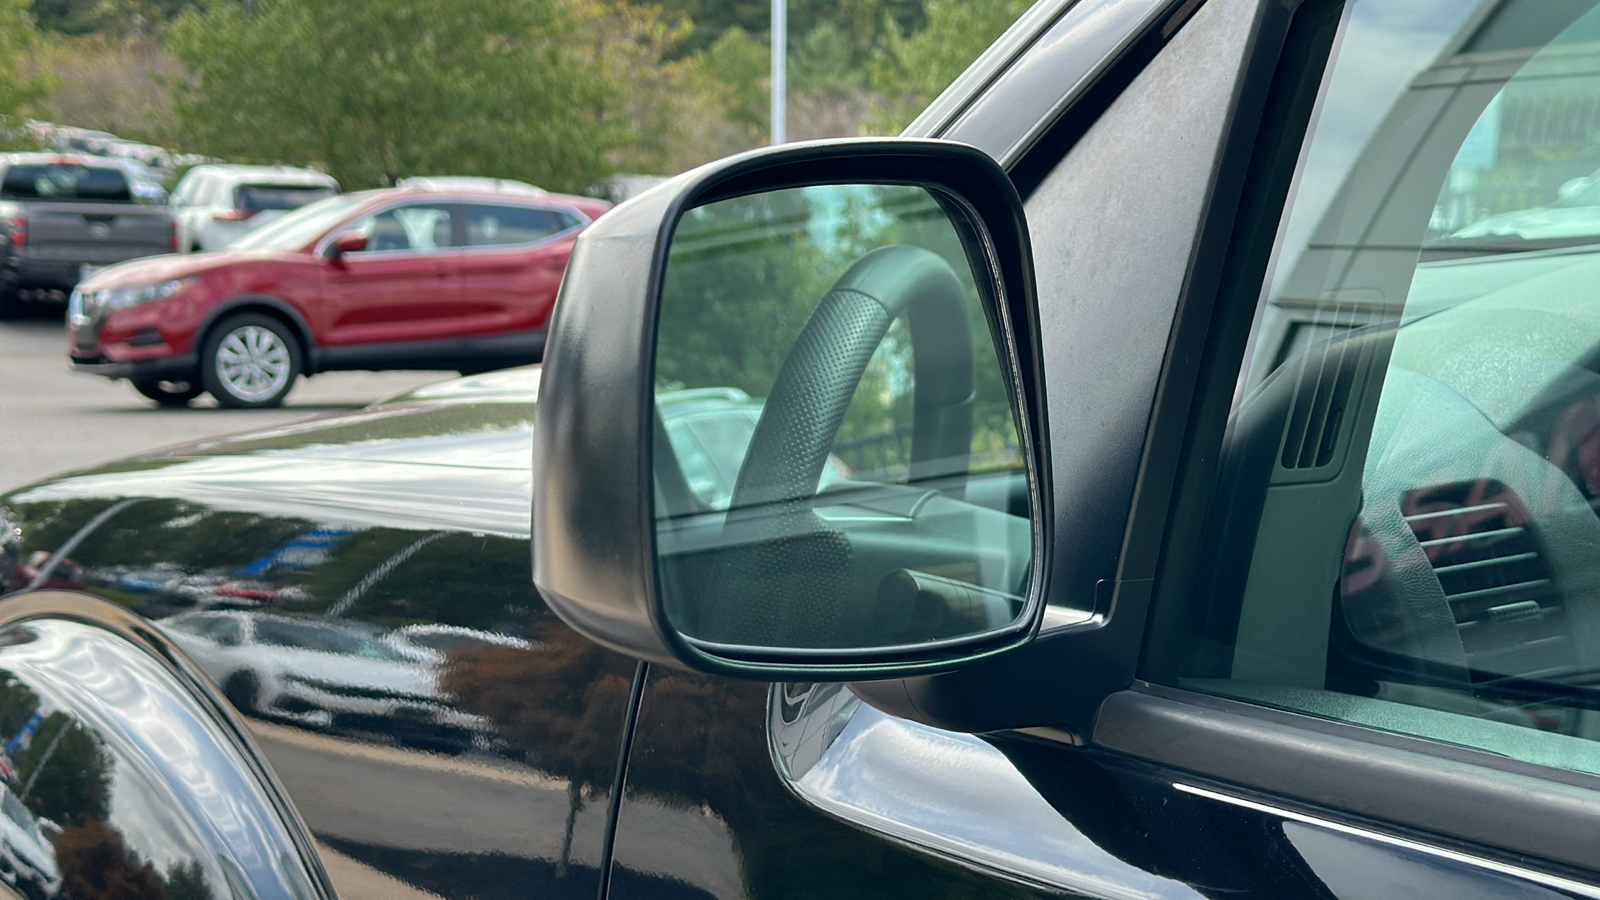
[
  {"x": 1404, "y": 844},
  {"x": 320, "y": 247},
  {"x": 1373, "y": 776},
  {"x": 583, "y": 222},
  {"x": 1394, "y": 782}
]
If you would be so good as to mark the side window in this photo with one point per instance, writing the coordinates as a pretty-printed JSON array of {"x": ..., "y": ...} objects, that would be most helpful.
[
  {"x": 227, "y": 632},
  {"x": 182, "y": 194},
  {"x": 200, "y": 194},
  {"x": 415, "y": 227},
  {"x": 1407, "y": 536},
  {"x": 505, "y": 226}
]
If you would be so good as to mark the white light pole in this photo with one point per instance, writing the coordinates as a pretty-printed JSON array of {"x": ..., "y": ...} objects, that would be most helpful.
[{"x": 780, "y": 41}]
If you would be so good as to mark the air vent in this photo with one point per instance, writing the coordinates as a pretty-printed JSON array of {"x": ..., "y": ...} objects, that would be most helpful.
[
  {"x": 1327, "y": 378},
  {"x": 1509, "y": 614}
]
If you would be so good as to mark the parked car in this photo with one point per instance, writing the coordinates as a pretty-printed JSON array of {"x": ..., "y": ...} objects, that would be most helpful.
[
  {"x": 322, "y": 673},
  {"x": 157, "y": 159},
  {"x": 64, "y": 217},
  {"x": 70, "y": 139},
  {"x": 216, "y": 204},
  {"x": 1207, "y": 523},
  {"x": 440, "y": 274},
  {"x": 27, "y": 859}
]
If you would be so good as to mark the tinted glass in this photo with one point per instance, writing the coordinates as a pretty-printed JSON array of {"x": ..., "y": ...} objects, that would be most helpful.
[
  {"x": 497, "y": 226},
  {"x": 318, "y": 636},
  {"x": 278, "y": 196},
  {"x": 1408, "y": 527},
  {"x": 61, "y": 181},
  {"x": 301, "y": 227},
  {"x": 416, "y": 227},
  {"x": 843, "y": 466}
]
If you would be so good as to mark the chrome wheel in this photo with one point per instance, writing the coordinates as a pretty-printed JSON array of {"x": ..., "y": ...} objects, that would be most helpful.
[
  {"x": 253, "y": 363},
  {"x": 250, "y": 361}
]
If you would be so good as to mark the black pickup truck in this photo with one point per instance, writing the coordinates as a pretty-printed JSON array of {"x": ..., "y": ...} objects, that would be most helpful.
[{"x": 63, "y": 215}]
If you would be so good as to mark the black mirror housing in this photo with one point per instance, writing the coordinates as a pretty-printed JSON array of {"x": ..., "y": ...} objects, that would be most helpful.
[{"x": 598, "y": 438}]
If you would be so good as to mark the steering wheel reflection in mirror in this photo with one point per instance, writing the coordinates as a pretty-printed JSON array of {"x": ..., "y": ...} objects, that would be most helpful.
[{"x": 858, "y": 565}]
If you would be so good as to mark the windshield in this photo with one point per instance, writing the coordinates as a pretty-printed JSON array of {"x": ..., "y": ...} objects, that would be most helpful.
[
  {"x": 64, "y": 181},
  {"x": 320, "y": 637},
  {"x": 19, "y": 814},
  {"x": 299, "y": 228},
  {"x": 279, "y": 196}
]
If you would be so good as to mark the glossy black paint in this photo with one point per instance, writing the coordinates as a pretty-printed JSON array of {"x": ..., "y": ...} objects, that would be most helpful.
[
  {"x": 125, "y": 768},
  {"x": 733, "y": 788},
  {"x": 485, "y": 771}
]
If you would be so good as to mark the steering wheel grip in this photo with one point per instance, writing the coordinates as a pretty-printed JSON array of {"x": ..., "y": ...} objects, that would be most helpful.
[{"x": 807, "y": 403}]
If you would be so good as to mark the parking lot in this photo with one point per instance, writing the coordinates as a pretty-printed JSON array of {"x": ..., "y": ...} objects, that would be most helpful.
[{"x": 56, "y": 419}]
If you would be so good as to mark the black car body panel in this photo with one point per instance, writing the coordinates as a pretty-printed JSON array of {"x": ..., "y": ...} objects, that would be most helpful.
[
  {"x": 297, "y": 565},
  {"x": 414, "y": 511}
]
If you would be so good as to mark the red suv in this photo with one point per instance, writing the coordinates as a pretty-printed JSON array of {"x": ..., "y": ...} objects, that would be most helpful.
[{"x": 445, "y": 273}]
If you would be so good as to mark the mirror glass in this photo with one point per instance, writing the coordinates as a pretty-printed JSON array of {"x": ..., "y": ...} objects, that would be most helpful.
[{"x": 837, "y": 463}]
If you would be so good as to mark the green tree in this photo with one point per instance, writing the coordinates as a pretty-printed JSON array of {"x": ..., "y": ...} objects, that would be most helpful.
[
  {"x": 734, "y": 73},
  {"x": 866, "y": 22},
  {"x": 20, "y": 87},
  {"x": 911, "y": 69},
  {"x": 66, "y": 772},
  {"x": 187, "y": 881},
  {"x": 18, "y": 702},
  {"x": 379, "y": 91}
]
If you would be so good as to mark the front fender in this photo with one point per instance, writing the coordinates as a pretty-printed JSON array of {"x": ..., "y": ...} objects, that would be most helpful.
[{"x": 116, "y": 753}]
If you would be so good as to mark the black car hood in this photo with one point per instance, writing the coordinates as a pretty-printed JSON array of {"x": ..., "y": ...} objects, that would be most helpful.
[{"x": 458, "y": 466}]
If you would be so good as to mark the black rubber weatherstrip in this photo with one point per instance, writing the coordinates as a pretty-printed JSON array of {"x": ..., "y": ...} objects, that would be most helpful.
[{"x": 630, "y": 719}]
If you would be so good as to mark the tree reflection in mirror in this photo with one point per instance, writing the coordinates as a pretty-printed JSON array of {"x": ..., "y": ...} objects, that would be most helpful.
[{"x": 837, "y": 465}]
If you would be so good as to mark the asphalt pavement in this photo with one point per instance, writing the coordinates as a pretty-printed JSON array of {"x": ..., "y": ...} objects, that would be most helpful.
[{"x": 53, "y": 419}]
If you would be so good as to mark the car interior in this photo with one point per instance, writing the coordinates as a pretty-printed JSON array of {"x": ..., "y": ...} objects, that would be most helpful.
[{"x": 1406, "y": 527}]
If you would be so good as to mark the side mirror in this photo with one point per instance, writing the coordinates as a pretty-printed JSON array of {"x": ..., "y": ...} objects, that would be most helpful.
[
  {"x": 790, "y": 418},
  {"x": 349, "y": 242}
]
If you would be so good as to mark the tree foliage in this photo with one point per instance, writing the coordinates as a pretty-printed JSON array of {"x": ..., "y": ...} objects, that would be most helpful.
[
  {"x": 557, "y": 92},
  {"x": 68, "y": 772},
  {"x": 380, "y": 91},
  {"x": 21, "y": 88},
  {"x": 108, "y": 82},
  {"x": 865, "y": 22},
  {"x": 96, "y": 864},
  {"x": 914, "y": 68}
]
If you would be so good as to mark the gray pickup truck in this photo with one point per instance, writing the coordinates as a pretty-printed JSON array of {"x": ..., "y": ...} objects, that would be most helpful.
[{"x": 63, "y": 216}]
